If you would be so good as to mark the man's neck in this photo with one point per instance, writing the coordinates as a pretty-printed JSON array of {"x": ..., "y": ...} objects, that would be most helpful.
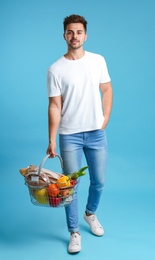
[{"x": 74, "y": 54}]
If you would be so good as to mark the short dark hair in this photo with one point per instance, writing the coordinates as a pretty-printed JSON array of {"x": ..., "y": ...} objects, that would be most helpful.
[{"x": 74, "y": 18}]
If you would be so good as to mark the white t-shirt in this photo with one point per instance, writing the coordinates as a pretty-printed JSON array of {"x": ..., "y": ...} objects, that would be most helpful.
[{"x": 77, "y": 81}]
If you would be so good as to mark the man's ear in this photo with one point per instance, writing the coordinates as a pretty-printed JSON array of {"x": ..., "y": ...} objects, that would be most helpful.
[
  {"x": 86, "y": 37},
  {"x": 64, "y": 36}
]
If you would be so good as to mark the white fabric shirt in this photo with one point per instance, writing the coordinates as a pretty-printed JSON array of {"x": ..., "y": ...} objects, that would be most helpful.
[{"x": 77, "y": 81}]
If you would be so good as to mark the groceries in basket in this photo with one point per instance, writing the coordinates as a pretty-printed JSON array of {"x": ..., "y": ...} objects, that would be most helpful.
[{"x": 48, "y": 188}]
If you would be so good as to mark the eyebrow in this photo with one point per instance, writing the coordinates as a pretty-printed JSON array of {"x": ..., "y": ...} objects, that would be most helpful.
[{"x": 73, "y": 31}]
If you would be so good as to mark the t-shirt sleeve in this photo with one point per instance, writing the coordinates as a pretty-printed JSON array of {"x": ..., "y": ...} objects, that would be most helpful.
[
  {"x": 53, "y": 86},
  {"x": 104, "y": 72}
]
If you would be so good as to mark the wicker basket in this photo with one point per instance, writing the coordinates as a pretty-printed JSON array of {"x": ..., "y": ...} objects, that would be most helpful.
[{"x": 38, "y": 184}]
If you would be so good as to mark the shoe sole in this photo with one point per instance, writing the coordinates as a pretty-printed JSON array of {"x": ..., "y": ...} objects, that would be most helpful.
[{"x": 74, "y": 252}]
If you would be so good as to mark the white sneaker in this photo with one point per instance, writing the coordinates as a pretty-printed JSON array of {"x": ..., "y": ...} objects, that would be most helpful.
[
  {"x": 75, "y": 243},
  {"x": 94, "y": 224}
]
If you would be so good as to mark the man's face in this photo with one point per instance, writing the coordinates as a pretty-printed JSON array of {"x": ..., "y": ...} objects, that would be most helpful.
[{"x": 75, "y": 35}]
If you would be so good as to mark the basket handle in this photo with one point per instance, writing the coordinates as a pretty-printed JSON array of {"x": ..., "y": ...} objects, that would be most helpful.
[{"x": 45, "y": 158}]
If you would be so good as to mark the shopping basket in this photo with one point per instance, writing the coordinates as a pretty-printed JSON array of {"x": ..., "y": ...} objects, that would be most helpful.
[{"x": 44, "y": 186}]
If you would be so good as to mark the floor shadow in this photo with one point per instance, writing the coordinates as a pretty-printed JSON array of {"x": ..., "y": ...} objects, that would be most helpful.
[
  {"x": 23, "y": 235},
  {"x": 85, "y": 228}
]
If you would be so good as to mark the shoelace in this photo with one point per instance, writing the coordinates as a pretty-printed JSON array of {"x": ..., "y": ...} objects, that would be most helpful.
[
  {"x": 74, "y": 240},
  {"x": 96, "y": 222}
]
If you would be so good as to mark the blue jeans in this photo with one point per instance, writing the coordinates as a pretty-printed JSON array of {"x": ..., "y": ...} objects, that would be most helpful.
[{"x": 94, "y": 146}]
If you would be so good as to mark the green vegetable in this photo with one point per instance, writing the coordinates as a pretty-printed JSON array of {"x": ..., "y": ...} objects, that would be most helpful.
[{"x": 77, "y": 174}]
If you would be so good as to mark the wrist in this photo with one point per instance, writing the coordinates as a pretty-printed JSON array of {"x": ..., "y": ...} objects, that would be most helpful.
[{"x": 51, "y": 142}]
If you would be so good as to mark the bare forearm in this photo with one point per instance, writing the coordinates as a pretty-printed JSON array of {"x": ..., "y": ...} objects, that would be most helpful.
[
  {"x": 107, "y": 102},
  {"x": 53, "y": 122},
  {"x": 107, "y": 97},
  {"x": 54, "y": 116}
]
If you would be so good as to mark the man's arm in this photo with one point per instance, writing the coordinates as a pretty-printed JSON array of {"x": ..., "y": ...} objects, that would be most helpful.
[
  {"x": 106, "y": 89},
  {"x": 54, "y": 116}
]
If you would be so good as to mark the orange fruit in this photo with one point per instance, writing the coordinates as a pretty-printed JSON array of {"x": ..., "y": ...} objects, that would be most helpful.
[{"x": 53, "y": 190}]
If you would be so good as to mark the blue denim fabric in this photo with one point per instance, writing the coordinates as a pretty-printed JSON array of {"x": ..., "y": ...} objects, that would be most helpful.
[{"x": 94, "y": 146}]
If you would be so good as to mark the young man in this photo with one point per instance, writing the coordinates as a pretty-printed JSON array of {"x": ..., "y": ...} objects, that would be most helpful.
[{"x": 80, "y": 114}]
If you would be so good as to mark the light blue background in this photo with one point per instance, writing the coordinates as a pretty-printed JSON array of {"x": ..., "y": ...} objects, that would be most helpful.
[{"x": 31, "y": 39}]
